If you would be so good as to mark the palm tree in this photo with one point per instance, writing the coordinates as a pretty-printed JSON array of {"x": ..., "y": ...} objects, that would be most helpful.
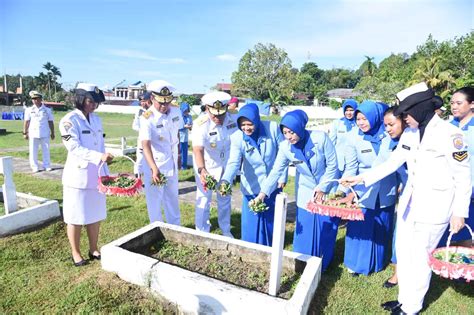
[
  {"x": 48, "y": 66},
  {"x": 56, "y": 73},
  {"x": 429, "y": 71},
  {"x": 368, "y": 67}
]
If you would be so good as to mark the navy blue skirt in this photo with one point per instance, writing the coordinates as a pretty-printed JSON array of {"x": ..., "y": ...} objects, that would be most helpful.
[
  {"x": 258, "y": 227},
  {"x": 315, "y": 235},
  {"x": 462, "y": 235},
  {"x": 367, "y": 247}
]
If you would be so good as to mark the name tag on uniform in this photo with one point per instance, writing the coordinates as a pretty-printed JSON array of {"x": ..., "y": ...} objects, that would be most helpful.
[
  {"x": 86, "y": 131},
  {"x": 405, "y": 147},
  {"x": 213, "y": 133},
  {"x": 341, "y": 131},
  {"x": 232, "y": 125},
  {"x": 250, "y": 150},
  {"x": 103, "y": 135},
  {"x": 175, "y": 118},
  {"x": 296, "y": 162},
  {"x": 159, "y": 126},
  {"x": 366, "y": 151}
]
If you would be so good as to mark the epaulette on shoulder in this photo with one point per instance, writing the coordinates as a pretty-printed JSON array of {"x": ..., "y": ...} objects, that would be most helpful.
[
  {"x": 202, "y": 120},
  {"x": 147, "y": 114}
]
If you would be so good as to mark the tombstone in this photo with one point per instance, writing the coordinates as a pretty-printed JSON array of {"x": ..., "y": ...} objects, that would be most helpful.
[
  {"x": 8, "y": 187},
  {"x": 22, "y": 211}
]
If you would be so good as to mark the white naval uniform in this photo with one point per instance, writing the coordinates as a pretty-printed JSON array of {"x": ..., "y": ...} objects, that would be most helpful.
[
  {"x": 162, "y": 131},
  {"x": 438, "y": 187},
  {"x": 139, "y": 153},
  {"x": 216, "y": 142},
  {"x": 39, "y": 133},
  {"x": 84, "y": 141}
]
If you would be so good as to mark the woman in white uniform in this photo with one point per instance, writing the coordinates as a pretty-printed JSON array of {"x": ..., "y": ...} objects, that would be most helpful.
[{"x": 83, "y": 136}]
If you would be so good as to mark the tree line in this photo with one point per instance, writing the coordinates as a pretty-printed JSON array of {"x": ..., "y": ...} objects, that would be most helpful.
[{"x": 266, "y": 73}]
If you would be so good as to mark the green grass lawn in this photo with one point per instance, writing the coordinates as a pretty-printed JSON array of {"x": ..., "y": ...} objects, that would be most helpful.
[{"x": 37, "y": 276}]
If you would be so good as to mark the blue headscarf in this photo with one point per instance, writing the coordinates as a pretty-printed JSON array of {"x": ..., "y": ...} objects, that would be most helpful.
[
  {"x": 296, "y": 121},
  {"x": 185, "y": 107},
  {"x": 349, "y": 123},
  {"x": 373, "y": 112},
  {"x": 250, "y": 111}
]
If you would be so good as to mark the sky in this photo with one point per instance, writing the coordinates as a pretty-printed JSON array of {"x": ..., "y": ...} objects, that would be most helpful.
[{"x": 195, "y": 44}]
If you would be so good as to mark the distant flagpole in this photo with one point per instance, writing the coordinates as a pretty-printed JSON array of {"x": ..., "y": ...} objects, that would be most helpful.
[{"x": 6, "y": 86}]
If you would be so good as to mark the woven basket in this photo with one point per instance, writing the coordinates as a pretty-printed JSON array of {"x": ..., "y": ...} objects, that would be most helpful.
[
  {"x": 119, "y": 191},
  {"x": 450, "y": 270},
  {"x": 349, "y": 214}
]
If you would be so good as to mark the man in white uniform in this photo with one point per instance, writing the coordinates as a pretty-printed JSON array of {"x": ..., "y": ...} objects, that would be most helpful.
[
  {"x": 211, "y": 149},
  {"x": 38, "y": 128},
  {"x": 145, "y": 103},
  {"x": 159, "y": 128},
  {"x": 437, "y": 192}
]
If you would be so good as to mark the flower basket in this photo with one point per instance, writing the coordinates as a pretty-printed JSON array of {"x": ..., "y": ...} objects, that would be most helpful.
[
  {"x": 330, "y": 208},
  {"x": 453, "y": 262},
  {"x": 121, "y": 185}
]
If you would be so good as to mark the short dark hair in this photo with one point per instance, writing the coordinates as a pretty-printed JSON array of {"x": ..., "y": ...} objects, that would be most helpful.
[
  {"x": 468, "y": 91},
  {"x": 391, "y": 110},
  {"x": 79, "y": 101}
]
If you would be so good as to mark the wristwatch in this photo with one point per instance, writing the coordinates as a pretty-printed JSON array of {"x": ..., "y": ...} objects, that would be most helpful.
[{"x": 200, "y": 170}]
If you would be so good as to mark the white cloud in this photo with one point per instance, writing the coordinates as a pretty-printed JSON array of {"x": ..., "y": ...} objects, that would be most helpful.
[
  {"x": 226, "y": 57},
  {"x": 149, "y": 73},
  {"x": 171, "y": 60},
  {"x": 129, "y": 53},
  {"x": 374, "y": 28}
]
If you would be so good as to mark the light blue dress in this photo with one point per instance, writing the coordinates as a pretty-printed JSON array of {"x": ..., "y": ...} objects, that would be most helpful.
[
  {"x": 368, "y": 242},
  {"x": 340, "y": 130},
  {"x": 316, "y": 167},
  {"x": 255, "y": 159}
]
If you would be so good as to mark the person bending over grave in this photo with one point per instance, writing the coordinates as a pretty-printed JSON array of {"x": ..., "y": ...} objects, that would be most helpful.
[
  {"x": 159, "y": 128},
  {"x": 253, "y": 151},
  {"x": 314, "y": 157}
]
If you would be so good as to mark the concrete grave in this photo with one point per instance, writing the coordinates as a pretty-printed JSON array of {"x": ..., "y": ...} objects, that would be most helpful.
[
  {"x": 195, "y": 293},
  {"x": 120, "y": 149},
  {"x": 22, "y": 211}
]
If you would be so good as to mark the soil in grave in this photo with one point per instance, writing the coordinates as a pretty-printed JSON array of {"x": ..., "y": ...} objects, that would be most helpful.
[{"x": 223, "y": 266}]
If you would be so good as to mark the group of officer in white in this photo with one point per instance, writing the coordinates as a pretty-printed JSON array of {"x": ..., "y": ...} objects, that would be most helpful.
[{"x": 429, "y": 146}]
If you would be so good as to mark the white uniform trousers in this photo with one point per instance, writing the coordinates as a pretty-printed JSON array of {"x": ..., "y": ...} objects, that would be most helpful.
[
  {"x": 137, "y": 168},
  {"x": 166, "y": 196},
  {"x": 34, "y": 144},
  {"x": 414, "y": 241},
  {"x": 203, "y": 207}
]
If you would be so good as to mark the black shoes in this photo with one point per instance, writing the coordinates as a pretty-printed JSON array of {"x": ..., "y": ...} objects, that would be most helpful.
[
  {"x": 80, "y": 263},
  {"x": 398, "y": 311},
  {"x": 92, "y": 256},
  {"x": 387, "y": 284},
  {"x": 391, "y": 305}
]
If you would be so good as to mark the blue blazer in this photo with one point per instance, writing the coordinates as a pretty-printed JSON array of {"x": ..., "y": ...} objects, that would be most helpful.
[
  {"x": 360, "y": 156},
  {"x": 338, "y": 135},
  {"x": 321, "y": 157},
  {"x": 254, "y": 165}
]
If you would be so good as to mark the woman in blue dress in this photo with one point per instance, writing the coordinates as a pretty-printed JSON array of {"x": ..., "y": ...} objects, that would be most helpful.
[
  {"x": 340, "y": 130},
  {"x": 368, "y": 242},
  {"x": 253, "y": 150},
  {"x": 184, "y": 134},
  {"x": 462, "y": 106},
  {"x": 314, "y": 157}
]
